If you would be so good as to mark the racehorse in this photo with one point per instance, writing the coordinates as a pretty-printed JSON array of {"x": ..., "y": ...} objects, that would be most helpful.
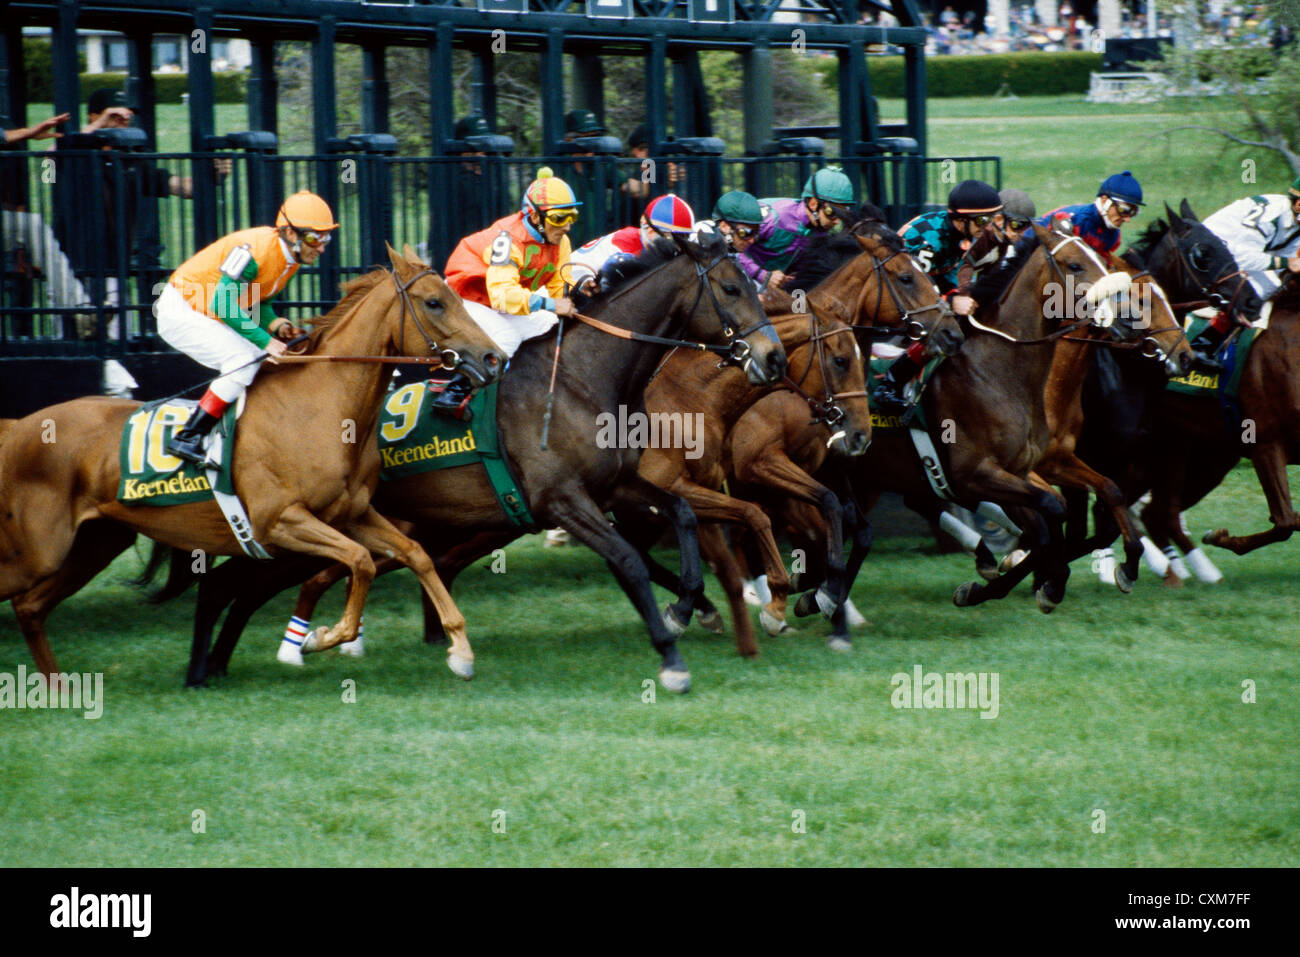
[
  {"x": 570, "y": 481},
  {"x": 304, "y": 489},
  {"x": 866, "y": 268},
  {"x": 1124, "y": 395}
]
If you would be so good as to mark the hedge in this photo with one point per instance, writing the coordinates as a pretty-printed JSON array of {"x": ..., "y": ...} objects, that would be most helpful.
[
  {"x": 39, "y": 69},
  {"x": 1024, "y": 74}
]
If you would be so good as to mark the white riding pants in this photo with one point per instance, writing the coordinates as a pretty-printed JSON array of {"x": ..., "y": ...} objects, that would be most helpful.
[{"x": 209, "y": 342}]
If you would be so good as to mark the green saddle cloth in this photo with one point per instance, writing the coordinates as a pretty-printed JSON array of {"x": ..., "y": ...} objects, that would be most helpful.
[
  {"x": 1226, "y": 382},
  {"x": 152, "y": 477},
  {"x": 414, "y": 439}
]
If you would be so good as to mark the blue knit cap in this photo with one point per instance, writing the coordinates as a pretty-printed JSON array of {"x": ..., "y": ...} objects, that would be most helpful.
[{"x": 1122, "y": 186}]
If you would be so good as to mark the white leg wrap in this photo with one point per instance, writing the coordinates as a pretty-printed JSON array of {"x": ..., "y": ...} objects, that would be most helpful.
[
  {"x": 1154, "y": 557},
  {"x": 967, "y": 536},
  {"x": 290, "y": 652},
  {"x": 1106, "y": 566},
  {"x": 760, "y": 587},
  {"x": 855, "y": 619},
  {"x": 1176, "y": 562},
  {"x": 356, "y": 648},
  {"x": 994, "y": 513},
  {"x": 751, "y": 593},
  {"x": 1203, "y": 568}
]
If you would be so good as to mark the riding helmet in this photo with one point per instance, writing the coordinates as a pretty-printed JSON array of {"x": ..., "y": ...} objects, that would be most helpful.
[
  {"x": 973, "y": 196},
  {"x": 738, "y": 206},
  {"x": 829, "y": 185},
  {"x": 305, "y": 210},
  {"x": 671, "y": 214},
  {"x": 1122, "y": 186},
  {"x": 1016, "y": 204},
  {"x": 548, "y": 191}
]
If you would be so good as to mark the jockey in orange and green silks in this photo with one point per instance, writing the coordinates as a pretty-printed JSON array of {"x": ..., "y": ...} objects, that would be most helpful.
[
  {"x": 216, "y": 306},
  {"x": 517, "y": 266}
]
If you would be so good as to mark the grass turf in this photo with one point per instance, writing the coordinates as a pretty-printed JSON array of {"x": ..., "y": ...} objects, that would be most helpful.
[{"x": 1129, "y": 706}]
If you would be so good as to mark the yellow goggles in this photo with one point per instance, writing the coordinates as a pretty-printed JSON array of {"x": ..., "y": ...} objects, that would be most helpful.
[{"x": 561, "y": 217}]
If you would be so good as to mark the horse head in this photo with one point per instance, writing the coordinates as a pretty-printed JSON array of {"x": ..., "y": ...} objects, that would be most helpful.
[
  {"x": 900, "y": 293},
  {"x": 724, "y": 302},
  {"x": 1143, "y": 312},
  {"x": 1192, "y": 262},
  {"x": 433, "y": 321}
]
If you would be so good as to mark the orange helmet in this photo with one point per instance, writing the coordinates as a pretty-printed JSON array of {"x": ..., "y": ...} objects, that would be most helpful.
[{"x": 304, "y": 210}]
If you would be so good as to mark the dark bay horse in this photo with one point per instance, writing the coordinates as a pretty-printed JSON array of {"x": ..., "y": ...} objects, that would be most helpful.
[
  {"x": 692, "y": 290},
  {"x": 304, "y": 490}
]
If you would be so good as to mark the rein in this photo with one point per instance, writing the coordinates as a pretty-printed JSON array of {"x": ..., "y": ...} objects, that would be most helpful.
[{"x": 825, "y": 410}]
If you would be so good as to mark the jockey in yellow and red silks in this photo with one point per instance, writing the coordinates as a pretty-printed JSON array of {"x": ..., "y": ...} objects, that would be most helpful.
[{"x": 517, "y": 265}]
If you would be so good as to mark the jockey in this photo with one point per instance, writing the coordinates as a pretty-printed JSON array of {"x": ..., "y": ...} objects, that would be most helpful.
[
  {"x": 939, "y": 241},
  {"x": 791, "y": 224},
  {"x": 1263, "y": 235},
  {"x": 997, "y": 240},
  {"x": 738, "y": 216},
  {"x": 1098, "y": 223},
  {"x": 664, "y": 216},
  {"x": 216, "y": 306},
  {"x": 515, "y": 266}
]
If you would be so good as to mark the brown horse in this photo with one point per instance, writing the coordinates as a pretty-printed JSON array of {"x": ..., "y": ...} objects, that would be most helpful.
[
  {"x": 1146, "y": 320},
  {"x": 1203, "y": 444},
  {"x": 573, "y": 479},
  {"x": 884, "y": 288},
  {"x": 304, "y": 489}
]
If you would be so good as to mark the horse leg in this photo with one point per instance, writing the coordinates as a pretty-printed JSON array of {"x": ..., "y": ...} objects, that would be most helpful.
[
  {"x": 379, "y": 535},
  {"x": 95, "y": 546},
  {"x": 298, "y": 530},
  {"x": 1072, "y": 471},
  {"x": 586, "y": 522},
  {"x": 450, "y": 564},
  {"x": 713, "y": 543},
  {"x": 1270, "y": 466},
  {"x": 638, "y": 492},
  {"x": 245, "y": 586}
]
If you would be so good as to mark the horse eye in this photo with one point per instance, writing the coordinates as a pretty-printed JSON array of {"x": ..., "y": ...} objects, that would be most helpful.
[
  {"x": 906, "y": 279},
  {"x": 1075, "y": 267},
  {"x": 841, "y": 363},
  {"x": 731, "y": 289},
  {"x": 434, "y": 305},
  {"x": 1199, "y": 259}
]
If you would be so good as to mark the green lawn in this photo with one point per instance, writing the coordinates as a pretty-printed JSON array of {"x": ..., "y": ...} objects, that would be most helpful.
[{"x": 1127, "y": 705}]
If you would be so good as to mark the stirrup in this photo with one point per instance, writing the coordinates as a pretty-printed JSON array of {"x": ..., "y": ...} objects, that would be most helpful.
[
  {"x": 453, "y": 405},
  {"x": 191, "y": 450}
]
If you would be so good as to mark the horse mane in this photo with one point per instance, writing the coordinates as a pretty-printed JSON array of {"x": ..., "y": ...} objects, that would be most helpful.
[
  {"x": 354, "y": 290},
  {"x": 1140, "y": 249},
  {"x": 1287, "y": 295},
  {"x": 827, "y": 252},
  {"x": 620, "y": 274}
]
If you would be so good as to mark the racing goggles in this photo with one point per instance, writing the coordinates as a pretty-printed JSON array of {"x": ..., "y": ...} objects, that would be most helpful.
[
  {"x": 1128, "y": 210},
  {"x": 312, "y": 238},
  {"x": 1019, "y": 225},
  {"x": 742, "y": 232},
  {"x": 561, "y": 217},
  {"x": 980, "y": 220}
]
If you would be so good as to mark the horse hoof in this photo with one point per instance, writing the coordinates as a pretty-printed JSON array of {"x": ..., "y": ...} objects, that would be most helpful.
[
  {"x": 1045, "y": 603},
  {"x": 825, "y": 604},
  {"x": 854, "y": 617},
  {"x": 987, "y": 572},
  {"x": 674, "y": 624},
  {"x": 839, "y": 643},
  {"x": 1011, "y": 560},
  {"x": 1215, "y": 537},
  {"x": 712, "y": 622},
  {"x": 678, "y": 682},
  {"x": 461, "y": 667},
  {"x": 289, "y": 654},
  {"x": 1122, "y": 581},
  {"x": 1172, "y": 580},
  {"x": 806, "y": 605},
  {"x": 967, "y": 595},
  {"x": 356, "y": 648},
  {"x": 772, "y": 624}
]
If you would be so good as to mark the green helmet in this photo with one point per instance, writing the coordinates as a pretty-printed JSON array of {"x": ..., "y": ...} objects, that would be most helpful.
[
  {"x": 1295, "y": 189},
  {"x": 829, "y": 185},
  {"x": 738, "y": 207}
]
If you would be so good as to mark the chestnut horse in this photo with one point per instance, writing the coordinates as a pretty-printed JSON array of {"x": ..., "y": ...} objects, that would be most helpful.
[
  {"x": 571, "y": 481},
  {"x": 304, "y": 489}
]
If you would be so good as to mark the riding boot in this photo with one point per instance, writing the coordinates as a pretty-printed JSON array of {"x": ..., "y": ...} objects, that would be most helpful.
[
  {"x": 453, "y": 400},
  {"x": 187, "y": 444},
  {"x": 1206, "y": 345},
  {"x": 889, "y": 393}
]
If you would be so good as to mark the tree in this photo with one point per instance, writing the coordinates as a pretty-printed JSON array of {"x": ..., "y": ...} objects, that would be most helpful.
[{"x": 1256, "y": 104}]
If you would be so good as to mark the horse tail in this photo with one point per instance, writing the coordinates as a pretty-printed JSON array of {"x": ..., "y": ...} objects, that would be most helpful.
[{"x": 180, "y": 574}]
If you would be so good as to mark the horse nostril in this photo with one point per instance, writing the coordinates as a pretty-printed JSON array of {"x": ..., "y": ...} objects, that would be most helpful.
[{"x": 491, "y": 360}]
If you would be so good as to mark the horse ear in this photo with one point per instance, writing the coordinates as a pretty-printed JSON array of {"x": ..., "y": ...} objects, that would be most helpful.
[
  {"x": 400, "y": 265},
  {"x": 1175, "y": 223},
  {"x": 411, "y": 256},
  {"x": 1187, "y": 212},
  {"x": 1042, "y": 232},
  {"x": 868, "y": 243},
  {"x": 692, "y": 249}
]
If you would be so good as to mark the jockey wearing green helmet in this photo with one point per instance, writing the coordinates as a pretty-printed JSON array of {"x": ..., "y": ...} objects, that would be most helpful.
[
  {"x": 790, "y": 225},
  {"x": 737, "y": 215}
]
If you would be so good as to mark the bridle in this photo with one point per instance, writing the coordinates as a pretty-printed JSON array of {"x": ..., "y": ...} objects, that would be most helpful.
[
  {"x": 1149, "y": 345},
  {"x": 449, "y": 358},
  {"x": 826, "y": 409},
  {"x": 1213, "y": 298}
]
